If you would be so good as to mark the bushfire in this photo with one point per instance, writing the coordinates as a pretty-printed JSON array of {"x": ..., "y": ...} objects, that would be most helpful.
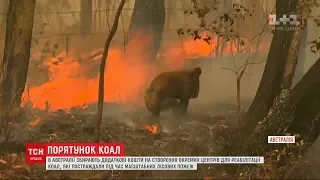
[
  {"x": 154, "y": 129},
  {"x": 126, "y": 76}
]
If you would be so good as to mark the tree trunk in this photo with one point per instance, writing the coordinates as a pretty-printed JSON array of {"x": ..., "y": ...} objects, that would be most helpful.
[
  {"x": 294, "y": 112},
  {"x": 270, "y": 84},
  {"x": 170, "y": 14},
  {"x": 292, "y": 60},
  {"x": 86, "y": 17},
  {"x": 148, "y": 20},
  {"x": 219, "y": 48},
  {"x": 4, "y": 8},
  {"x": 227, "y": 8},
  {"x": 306, "y": 10},
  {"x": 102, "y": 68},
  {"x": 238, "y": 107},
  {"x": 301, "y": 57},
  {"x": 307, "y": 99},
  {"x": 15, "y": 62}
]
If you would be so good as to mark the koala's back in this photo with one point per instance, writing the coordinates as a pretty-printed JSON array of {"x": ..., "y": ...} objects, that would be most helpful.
[{"x": 171, "y": 84}]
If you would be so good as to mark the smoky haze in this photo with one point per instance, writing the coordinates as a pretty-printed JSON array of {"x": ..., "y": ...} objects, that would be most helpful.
[
  {"x": 54, "y": 19},
  {"x": 58, "y": 23}
]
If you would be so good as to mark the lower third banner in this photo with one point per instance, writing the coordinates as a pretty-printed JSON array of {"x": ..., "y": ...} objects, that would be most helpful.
[
  {"x": 143, "y": 163},
  {"x": 110, "y": 156}
]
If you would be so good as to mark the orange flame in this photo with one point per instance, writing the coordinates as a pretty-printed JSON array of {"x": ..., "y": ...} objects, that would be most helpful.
[
  {"x": 154, "y": 129},
  {"x": 126, "y": 75},
  {"x": 35, "y": 122}
]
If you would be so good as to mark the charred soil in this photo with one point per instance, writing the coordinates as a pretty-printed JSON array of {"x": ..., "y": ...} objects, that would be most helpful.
[{"x": 200, "y": 133}]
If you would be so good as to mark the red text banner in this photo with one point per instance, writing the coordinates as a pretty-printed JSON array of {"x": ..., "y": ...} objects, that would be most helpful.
[{"x": 36, "y": 153}]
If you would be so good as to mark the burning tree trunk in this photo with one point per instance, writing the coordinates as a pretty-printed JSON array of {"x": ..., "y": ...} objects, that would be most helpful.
[
  {"x": 292, "y": 60},
  {"x": 295, "y": 112},
  {"x": 270, "y": 85},
  {"x": 86, "y": 16},
  {"x": 102, "y": 68},
  {"x": 15, "y": 62},
  {"x": 148, "y": 19}
]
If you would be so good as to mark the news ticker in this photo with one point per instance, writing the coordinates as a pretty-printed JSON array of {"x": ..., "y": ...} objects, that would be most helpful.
[
  {"x": 144, "y": 163},
  {"x": 111, "y": 156}
]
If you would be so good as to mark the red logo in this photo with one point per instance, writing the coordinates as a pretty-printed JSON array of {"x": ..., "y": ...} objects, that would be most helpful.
[{"x": 35, "y": 153}]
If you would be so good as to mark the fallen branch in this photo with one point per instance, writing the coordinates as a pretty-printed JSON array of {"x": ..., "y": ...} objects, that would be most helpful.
[{"x": 95, "y": 55}]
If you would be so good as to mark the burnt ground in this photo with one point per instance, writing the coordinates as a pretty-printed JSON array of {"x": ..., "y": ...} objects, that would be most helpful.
[{"x": 193, "y": 135}]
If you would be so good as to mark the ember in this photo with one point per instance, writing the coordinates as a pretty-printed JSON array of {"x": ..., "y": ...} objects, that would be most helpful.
[
  {"x": 154, "y": 129},
  {"x": 35, "y": 122}
]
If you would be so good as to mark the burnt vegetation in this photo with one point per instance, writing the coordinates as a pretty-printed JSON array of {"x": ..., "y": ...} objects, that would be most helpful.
[{"x": 278, "y": 108}]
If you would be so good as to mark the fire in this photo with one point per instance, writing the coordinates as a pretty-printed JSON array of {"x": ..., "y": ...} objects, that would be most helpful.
[
  {"x": 126, "y": 75},
  {"x": 154, "y": 129},
  {"x": 35, "y": 122},
  {"x": 70, "y": 86}
]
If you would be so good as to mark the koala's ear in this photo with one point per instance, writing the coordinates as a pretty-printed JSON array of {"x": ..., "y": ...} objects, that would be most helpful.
[{"x": 196, "y": 72}]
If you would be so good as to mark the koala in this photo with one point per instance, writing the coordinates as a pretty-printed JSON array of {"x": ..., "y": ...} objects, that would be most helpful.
[{"x": 173, "y": 89}]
